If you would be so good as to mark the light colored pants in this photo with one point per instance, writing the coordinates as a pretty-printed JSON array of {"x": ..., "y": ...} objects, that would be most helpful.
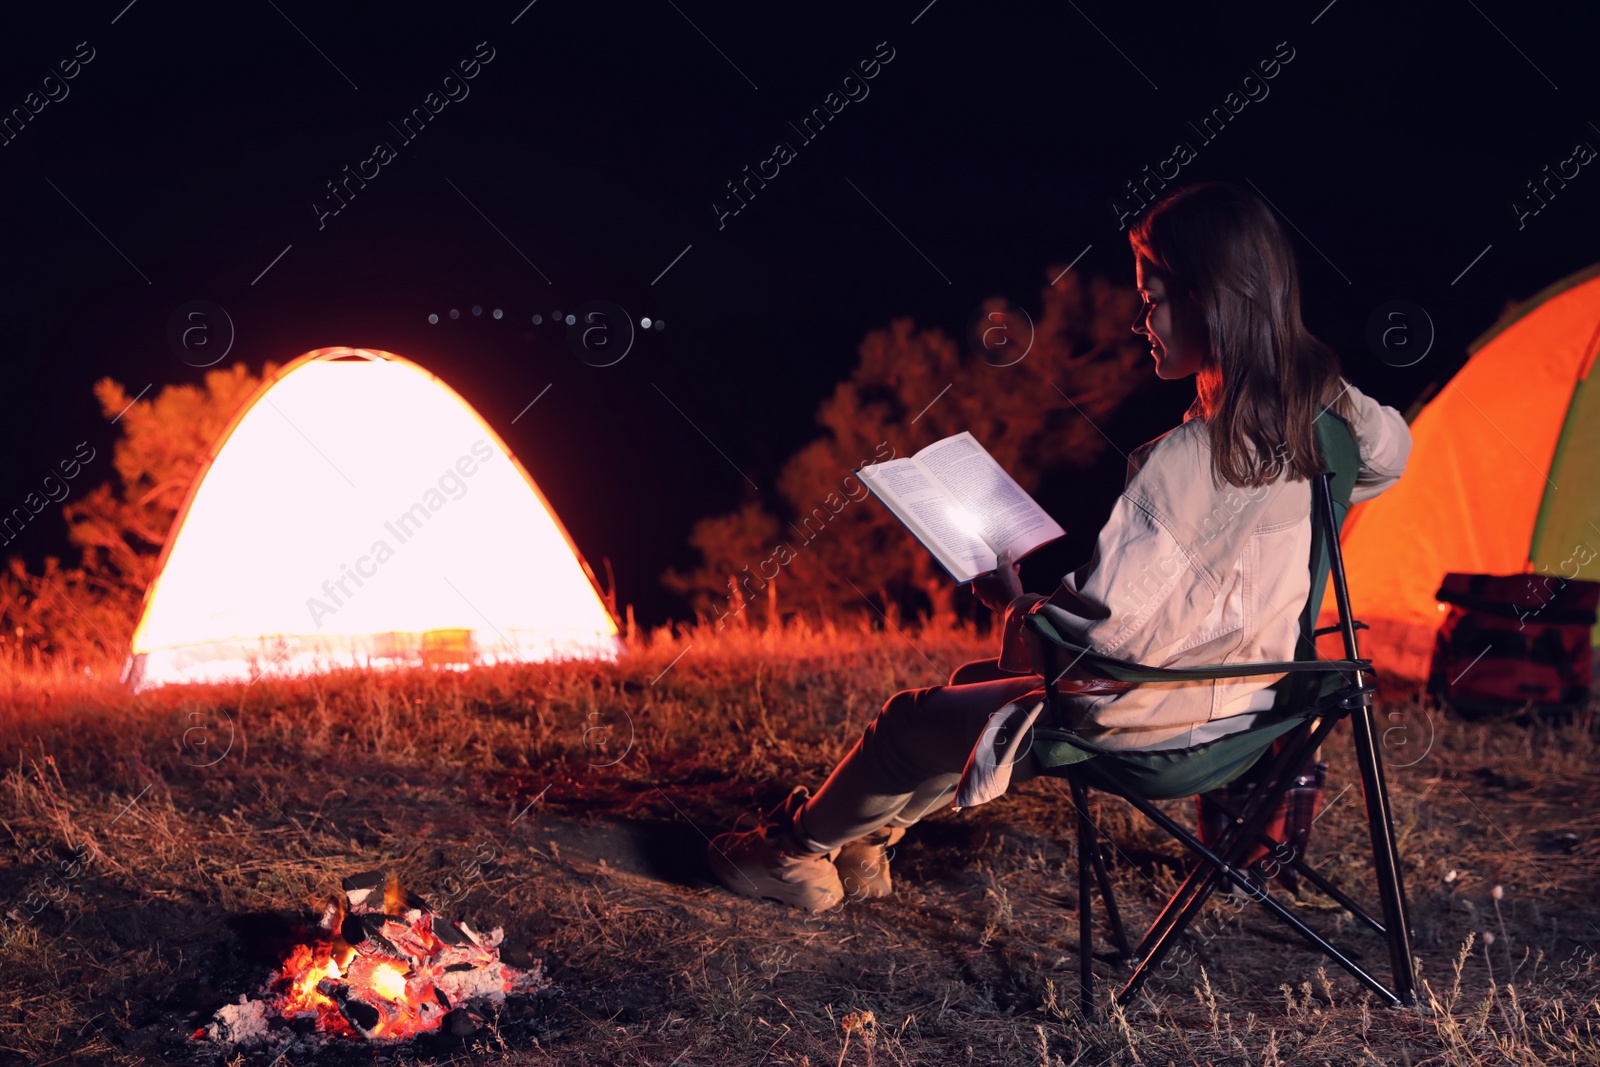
[{"x": 910, "y": 757}]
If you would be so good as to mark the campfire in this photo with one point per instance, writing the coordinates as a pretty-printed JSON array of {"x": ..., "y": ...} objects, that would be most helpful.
[{"x": 385, "y": 968}]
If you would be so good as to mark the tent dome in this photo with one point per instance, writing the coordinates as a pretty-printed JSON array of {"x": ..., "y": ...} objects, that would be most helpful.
[
  {"x": 1504, "y": 477},
  {"x": 357, "y": 511}
]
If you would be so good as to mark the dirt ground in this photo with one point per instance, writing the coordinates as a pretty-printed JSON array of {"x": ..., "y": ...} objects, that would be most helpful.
[{"x": 570, "y": 804}]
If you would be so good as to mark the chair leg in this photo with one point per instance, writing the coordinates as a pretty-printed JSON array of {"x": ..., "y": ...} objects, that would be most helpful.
[
  {"x": 1222, "y": 868},
  {"x": 1087, "y": 847},
  {"x": 1311, "y": 874},
  {"x": 1169, "y": 912},
  {"x": 1385, "y": 856},
  {"x": 1210, "y": 872},
  {"x": 1380, "y": 824},
  {"x": 1203, "y": 878},
  {"x": 1119, "y": 934}
]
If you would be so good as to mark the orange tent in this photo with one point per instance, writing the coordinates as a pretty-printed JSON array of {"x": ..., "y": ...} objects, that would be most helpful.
[{"x": 1504, "y": 478}]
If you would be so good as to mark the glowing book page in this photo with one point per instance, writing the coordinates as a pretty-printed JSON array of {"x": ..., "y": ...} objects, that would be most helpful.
[
  {"x": 961, "y": 505},
  {"x": 932, "y": 516},
  {"x": 1010, "y": 520}
]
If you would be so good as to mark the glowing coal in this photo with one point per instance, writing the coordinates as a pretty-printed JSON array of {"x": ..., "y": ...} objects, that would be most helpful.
[{"x": 386, "y": 968}]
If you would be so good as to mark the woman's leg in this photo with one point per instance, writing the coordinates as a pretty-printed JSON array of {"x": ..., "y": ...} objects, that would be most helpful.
[
  {"x": 907, "y": 762},
  {"x": 980, "y": 670}
]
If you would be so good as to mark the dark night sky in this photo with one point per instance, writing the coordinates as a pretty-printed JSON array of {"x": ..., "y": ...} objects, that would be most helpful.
[{"x": 596, "y": 140}]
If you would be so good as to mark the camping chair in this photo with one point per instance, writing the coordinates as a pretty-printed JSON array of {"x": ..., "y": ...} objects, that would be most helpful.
[{"x": 1312, "y": 698}]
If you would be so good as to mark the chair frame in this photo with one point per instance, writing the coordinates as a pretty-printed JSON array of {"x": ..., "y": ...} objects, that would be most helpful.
[{"x": 1218, "y": 865}]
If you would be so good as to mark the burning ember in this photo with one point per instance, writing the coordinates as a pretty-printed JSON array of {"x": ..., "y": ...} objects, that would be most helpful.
[{"x": 387, "y": 969}]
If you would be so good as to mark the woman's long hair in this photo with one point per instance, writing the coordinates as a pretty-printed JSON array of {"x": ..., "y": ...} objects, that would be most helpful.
[{"x": 1265, "y": 378}]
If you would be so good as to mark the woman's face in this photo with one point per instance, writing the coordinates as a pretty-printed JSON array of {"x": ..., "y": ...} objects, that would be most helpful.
[{"x": 1172, "y": 322}]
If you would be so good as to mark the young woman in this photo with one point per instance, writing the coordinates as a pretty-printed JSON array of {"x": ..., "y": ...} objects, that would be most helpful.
[{"x": 1203, "y": 560}]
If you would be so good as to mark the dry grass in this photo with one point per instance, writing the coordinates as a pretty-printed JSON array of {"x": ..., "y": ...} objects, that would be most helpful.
[{"x": 147, "y": 842}]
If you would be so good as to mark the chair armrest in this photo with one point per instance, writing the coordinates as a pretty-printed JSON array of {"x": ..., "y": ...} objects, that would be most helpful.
[{"x": 1049, "y": 647}]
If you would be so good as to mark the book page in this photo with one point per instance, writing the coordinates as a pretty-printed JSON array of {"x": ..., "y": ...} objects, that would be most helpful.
[
  {"x": 931, "y": 516},
  {"x": 1011, "y": 520}
]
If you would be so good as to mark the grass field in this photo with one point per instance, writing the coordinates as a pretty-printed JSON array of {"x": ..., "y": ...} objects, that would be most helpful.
[{"x": 570, "y": 804}]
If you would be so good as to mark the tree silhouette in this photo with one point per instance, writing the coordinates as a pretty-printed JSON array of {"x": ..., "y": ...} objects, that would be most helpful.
[
  {"x": 1032, "y": 390},
  {"x": 119, "y": 527}
]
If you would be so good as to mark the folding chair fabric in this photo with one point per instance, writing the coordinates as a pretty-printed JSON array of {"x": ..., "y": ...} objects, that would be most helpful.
[
  {"x": 1307, "y": 682},
  {"x": 1163, "y": 774},
  {"x": 1312, "y": 696}
]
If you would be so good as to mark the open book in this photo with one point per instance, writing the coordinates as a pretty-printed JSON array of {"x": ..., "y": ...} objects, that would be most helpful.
[{"x": 961, "y": 505}]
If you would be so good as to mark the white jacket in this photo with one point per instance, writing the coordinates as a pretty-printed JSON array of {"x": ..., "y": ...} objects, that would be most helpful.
[{"x": 1185, "y": 574}]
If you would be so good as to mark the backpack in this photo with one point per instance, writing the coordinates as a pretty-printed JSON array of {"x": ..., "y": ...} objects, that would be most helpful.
[{"x": 1510, "y": 641}]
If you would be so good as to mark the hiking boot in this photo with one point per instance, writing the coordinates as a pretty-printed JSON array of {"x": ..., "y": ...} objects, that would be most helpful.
[
  {"x": 863, "y": 864},
  {"x": 770, "y": 863}
]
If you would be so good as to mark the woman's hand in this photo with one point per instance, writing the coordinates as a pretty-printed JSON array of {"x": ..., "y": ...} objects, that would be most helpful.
[{"x": 999, "y": 589}]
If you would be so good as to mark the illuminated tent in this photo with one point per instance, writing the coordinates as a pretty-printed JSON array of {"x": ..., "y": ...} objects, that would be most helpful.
[
  {"x": 357, "y": 511},
  {"x": 1504, "y": 477}
]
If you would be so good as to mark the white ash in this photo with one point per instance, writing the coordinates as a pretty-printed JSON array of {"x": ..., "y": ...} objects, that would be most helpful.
[
  {"x": 244, "y": 1023},
  {"x": 481, "y": 983}
]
